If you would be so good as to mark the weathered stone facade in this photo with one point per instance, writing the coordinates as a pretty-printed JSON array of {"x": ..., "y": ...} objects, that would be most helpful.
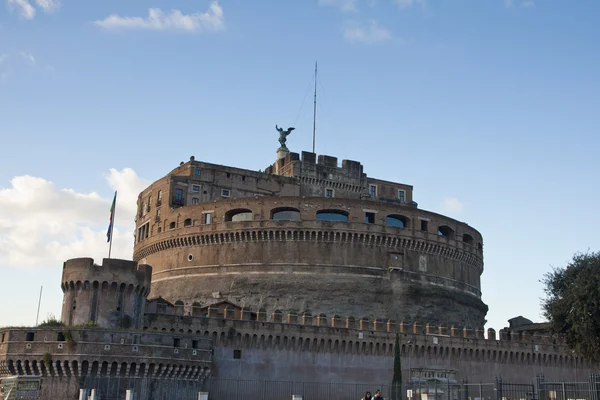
[{"x": 214, "y": 232}]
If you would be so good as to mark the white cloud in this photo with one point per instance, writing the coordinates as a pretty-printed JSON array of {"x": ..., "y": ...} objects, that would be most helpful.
[
  {"x": 209, "y": 21},
  {"x": 41, "y": 225},
  {"x": 48, "y": 5},
  {"x": 407, "y": 3},
  {"x": 343, "y": 5},
  {"x": 25, "y": 9},
  {"x": 452, "y": 205},
  {"x": 524, "y": 3},
  {"x": 368, "y": 33},
  {"x": 28, "y": 56}
]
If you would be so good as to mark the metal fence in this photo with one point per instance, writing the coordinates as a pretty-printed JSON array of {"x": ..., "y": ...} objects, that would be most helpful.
[{"x": 113, "y": 388}]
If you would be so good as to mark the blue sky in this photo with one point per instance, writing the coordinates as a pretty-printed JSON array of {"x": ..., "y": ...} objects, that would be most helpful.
[{"x": 489, "y": 108}]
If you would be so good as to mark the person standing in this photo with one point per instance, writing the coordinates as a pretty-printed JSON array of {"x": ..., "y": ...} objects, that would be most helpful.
[{"x": 378, "y": 395}]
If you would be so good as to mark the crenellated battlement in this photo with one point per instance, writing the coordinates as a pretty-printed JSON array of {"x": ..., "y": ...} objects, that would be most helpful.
[
  {"x": 361, "y": 336},
  {"x": 112, "y": 271}
]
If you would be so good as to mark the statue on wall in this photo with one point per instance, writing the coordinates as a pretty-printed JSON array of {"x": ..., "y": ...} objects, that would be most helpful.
[{"x": 283, "y": 136}]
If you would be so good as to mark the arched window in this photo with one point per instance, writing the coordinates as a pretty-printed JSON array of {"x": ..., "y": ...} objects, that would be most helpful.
[
  {"x": 445, "y": 231},
  {"x": 332, "y": 215},
  {"x": 285, "y": 214},
  {"x": 467, "y": 238},
  {"x": 238, "y": 215},
  {"x": 397, "y": 221},
  {"x": 179, "y": 307},
  {"x": 172, "y": 225},
  {"x": 187, "y": 222}
]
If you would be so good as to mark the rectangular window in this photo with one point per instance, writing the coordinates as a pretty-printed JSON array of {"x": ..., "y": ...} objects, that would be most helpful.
[
  {"x": 195, "y": 200},
  {"x": 194, "y": 344},
  {"x": 158, "y": 213},
  {"x": 401, "y": 195},
  {"x": 198, "y": 172},
  {"x": 176, "y": 342},
  {"x": 143, "y": 209},
  {"x": 196, "y": 188},
  {"x": 237, "y": 354},
  {"x": 373, "y": 190},
  {"x": 225, "y": 193},
  {"x": 424, "y": 225},
  {"x": 206, "y": 217},
  {"x": 329, "y": 193},
  {"x": 29, "y": 337},
  {"x": 178, "y": 194},
  {"x": 159, "y": 195},
  {"x": 369, "y": 218},
  {"x": 149, "y": 203}
]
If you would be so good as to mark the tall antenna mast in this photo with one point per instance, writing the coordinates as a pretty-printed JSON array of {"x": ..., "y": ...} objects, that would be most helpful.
[{"x": 315, "y": 109}]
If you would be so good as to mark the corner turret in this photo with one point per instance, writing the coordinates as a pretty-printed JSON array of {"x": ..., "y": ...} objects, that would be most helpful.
[{"x": 111, "y": 295}]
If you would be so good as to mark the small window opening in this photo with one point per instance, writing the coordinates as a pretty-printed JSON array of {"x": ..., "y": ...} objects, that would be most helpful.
[
  {"x": 445, "y": 231},
  {"x": 187, "y": 222},
  {"x": 30, "y": 336},
  {"x": 207, "y": 218},
  {"x": 3, "y": 337},
  {"x": 225, "y": 193},
  {"x": 176, "y": 342},
  {"x": 196, "y": 188},
  {"x": 467, "y": 238},
  {"x": 195, "y": 200},
  {"x": 369, "y": 218},
  {"x": 190, "y": 257},
  {"x": 285, "y": 214},
  {"x": 373, "y": 190},
  {"x": 401, "y": 195},
  {"x": 238, "y": 215},
  {"x": 243, "y": 178},
  {"x": 332, "y": 215},
  {"x": 329, "y": 193},
  {"x": 237, "y": 354},
  {"x": 172, "y": 225},
  {"x": 228, "y": 175},
  {"x": 60, "y": 337},
  {"x": 194, "y": 344},
  {"x": 424, "y": 225},
  {"x": 198, "y": 172},
  {"x": 397, "y": 221}
]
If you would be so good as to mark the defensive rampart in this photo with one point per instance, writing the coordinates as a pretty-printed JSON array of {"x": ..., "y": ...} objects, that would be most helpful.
[
  {"x": 67, "y": 358},
  {"x": 321, "y": 349}
]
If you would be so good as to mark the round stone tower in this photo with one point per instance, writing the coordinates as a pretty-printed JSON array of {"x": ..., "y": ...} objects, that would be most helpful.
[{"x": 111, "y": 295}]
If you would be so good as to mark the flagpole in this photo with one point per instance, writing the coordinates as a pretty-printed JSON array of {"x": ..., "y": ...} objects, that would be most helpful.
[{"x": 112, "y": 226}]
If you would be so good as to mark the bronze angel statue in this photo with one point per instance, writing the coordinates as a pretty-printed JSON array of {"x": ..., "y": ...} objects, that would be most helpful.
[{"x": 283, "y": 135}]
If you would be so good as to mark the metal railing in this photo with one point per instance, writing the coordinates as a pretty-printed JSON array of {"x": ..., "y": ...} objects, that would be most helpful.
[{"x": 147, "y": 388}]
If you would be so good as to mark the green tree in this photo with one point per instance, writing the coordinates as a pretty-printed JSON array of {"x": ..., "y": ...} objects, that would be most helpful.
[
  {"x": 397, "y": 377},
  {"x": 572, "y": 304}
]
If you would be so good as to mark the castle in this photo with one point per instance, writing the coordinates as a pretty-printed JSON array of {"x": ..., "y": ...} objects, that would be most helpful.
[{"x": 305, "y": 272}]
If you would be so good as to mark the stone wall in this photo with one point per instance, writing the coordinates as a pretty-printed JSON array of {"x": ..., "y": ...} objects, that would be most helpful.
[
  {"x": 365, "y": 269},
  {"x": 325, "y": 350},
  {"x": 70, "y": 358}
]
